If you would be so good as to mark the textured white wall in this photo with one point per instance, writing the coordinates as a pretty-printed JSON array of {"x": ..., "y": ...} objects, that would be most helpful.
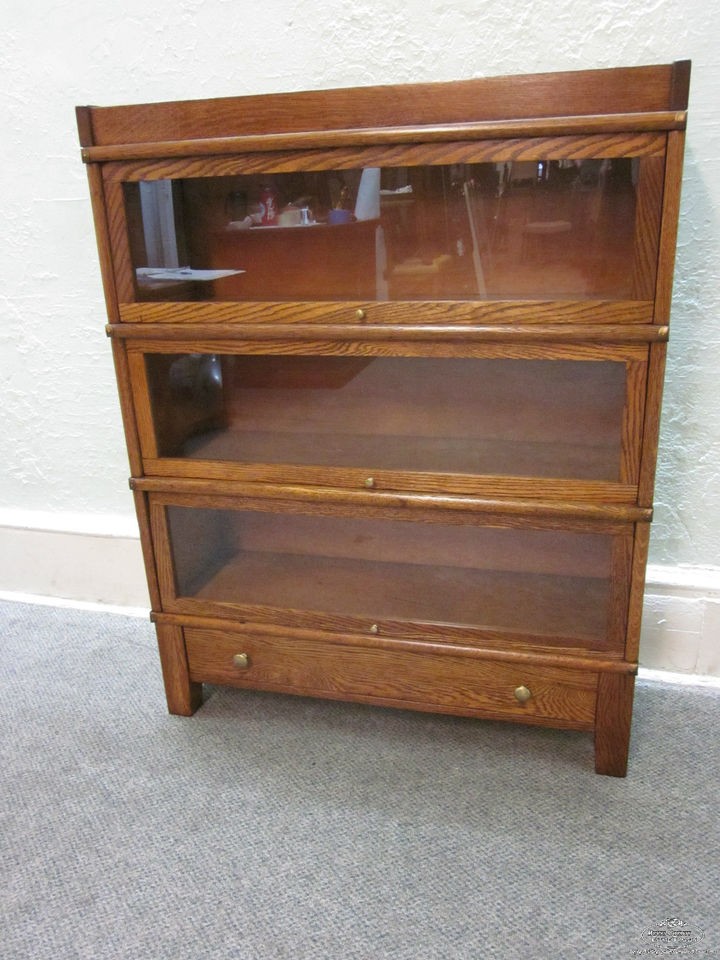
[{"x": 61, "y": 441}]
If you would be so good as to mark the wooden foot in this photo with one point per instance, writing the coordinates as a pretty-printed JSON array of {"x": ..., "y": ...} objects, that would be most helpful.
[
  {"x": 183, "y": 695},
  {"x": 613, "y": 717}
]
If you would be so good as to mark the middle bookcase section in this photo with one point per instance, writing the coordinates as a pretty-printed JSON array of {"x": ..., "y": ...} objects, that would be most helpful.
[
  {"x": 418, "y": 573},
  {"x": 549, "y": 427}
]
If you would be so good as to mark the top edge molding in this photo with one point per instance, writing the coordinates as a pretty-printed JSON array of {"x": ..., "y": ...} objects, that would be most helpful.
[{"x": 538, "y": 98}]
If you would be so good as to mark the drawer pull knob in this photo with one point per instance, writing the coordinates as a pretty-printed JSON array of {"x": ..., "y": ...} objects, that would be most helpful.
[
  {"x": 374, "y": 628},
  {"x": 522, "y": 694},
  {"x": 241, "y": 661},
  {"x": 361, "y": 314},
  {"x": 370, "y": 483}
]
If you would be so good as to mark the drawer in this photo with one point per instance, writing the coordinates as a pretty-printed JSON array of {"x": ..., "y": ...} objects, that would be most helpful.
[{"x": 446, "y": 683}]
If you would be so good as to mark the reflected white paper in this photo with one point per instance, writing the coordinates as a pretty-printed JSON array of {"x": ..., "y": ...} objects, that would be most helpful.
[{"x": 183, "y": 273}]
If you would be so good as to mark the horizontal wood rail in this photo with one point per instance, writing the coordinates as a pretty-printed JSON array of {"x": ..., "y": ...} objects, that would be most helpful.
[
  {"x": 585, "y": 661},
  {"x": 525, "y": 509},
  {"x": 401, "y": 312},
  {"x": 518, "y": 333},
  {"x": 660, "y": 120}
]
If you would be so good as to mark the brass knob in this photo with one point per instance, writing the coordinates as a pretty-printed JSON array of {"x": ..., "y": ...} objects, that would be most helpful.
[
  {"x": 370, "y": 483},
  {"x": 361, "y": 314},
  {"x": 522, "y": 694},
  {"x": 241, "y": 661},
  {"x": 374, "y": 628}
]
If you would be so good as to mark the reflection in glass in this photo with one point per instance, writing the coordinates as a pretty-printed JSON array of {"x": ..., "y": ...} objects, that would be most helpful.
[{"x": 516, "y": 230}]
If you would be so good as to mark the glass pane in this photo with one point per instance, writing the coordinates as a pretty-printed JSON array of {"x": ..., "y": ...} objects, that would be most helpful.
[
  {"x": 551, "y": 584},
  {"x": 521, "y": 230},
  {"x": 418, "y": 414}
]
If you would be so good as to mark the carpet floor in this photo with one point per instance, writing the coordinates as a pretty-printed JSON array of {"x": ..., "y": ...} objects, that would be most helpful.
[{"x": 279, "y": 828}]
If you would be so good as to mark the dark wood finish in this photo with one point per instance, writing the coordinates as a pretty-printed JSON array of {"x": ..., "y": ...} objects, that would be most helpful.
[
  {"x": 518, "y": 333},
  {"x": 637, "y": 590},
  {"x": 582, "y": 93},
  {"x": 399, "y": 313},
  {"x": 668, "y": 232},
  {"x": 431, "y": 152},
  {"x": 497, "y": 134},
  {"x": 142, "y": 511},
  {"x": 509, "y": 580},
  {"x": 127, "y": 409},
  {"x": 647, "y": 229},
  {"x": 489, "y": 488},
  {"x": 183, "y": 693},
  {"x": 118, "y": 235},
  {"x": 104, "y": 242},
  {"x": 83, "y": 117},
  {"x": 651, "y": 429},
  {"x": 343, "y": 542},
  {"x": 419, "y": 421},
  {"x": 604, "y": 248},
  {"x": 613, "y": 720},
  {"x": 419, "y": 681},
  {"x": 263, "y": 254},
  {"x": 446, "y": 509},
  {"x": 535, "y": 654},
  {"x": 680, "y": 85}
]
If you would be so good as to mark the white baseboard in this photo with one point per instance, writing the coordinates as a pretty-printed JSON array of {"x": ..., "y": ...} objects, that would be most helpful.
[
  {"x": 681, "y": 620},
  {"x": 97, "y": 560},
  {"x": 93, "y": 559}
]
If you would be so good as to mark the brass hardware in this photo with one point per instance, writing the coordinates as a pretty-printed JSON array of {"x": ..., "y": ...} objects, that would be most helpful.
[
  {"x": 361, "y": 314},
  {"x": 374, "y": 628},
  {"x": 522, "y": 694},
  {"x": 241, "y": 661},
  {"x": 370, "y": 483}
]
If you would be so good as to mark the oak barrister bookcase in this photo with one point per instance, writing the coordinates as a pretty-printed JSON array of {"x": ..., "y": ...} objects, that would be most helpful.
[{"x": 390, "y": 362}]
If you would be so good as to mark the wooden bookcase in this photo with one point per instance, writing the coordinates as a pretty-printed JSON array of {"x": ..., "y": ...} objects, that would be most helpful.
[{"x": 390, "y": 362}]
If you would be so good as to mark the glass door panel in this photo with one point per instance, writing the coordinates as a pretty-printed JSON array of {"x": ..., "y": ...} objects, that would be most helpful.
[
  {"x": 523, "y": 418},
  {"x": 553, "y": 586},
  {"x": 545, "y": 229}
]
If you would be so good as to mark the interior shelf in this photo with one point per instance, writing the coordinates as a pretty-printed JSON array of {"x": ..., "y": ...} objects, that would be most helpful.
[
  {"x": 417, "y": 454},
  {"x": 567, "y": 609},
  {"x": 548, "y": 418}
]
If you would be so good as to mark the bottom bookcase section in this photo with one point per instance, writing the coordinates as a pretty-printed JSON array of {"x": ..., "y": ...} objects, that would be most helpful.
[
  {"x": 290, "y": 564},
  {"x": 438, "y": 682}
]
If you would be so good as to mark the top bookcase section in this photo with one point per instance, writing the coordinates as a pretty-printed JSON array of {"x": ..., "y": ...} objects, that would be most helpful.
[{"x": 551, "y": 191}]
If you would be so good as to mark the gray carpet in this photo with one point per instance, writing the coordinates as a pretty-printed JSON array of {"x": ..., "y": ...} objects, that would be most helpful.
[{"x": 271, "y": 827}]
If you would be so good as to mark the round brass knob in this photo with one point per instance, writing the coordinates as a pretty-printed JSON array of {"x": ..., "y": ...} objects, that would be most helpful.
[
  {"x": 522, "y": 694},
  {"x": 370, "y": 483},
  {"x": 241, "y": 661},
  {"x": 374, "y": 628},
  {"x": 361, "y": 314}
]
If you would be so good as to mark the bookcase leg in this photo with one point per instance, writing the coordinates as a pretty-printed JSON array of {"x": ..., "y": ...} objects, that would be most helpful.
[
  {"x": 184, "y": 696},
  {"x": 613, "y": 717}
]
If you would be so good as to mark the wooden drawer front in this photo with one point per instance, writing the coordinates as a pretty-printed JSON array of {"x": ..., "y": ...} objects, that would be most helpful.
[{"x": 448, "y": 684}]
